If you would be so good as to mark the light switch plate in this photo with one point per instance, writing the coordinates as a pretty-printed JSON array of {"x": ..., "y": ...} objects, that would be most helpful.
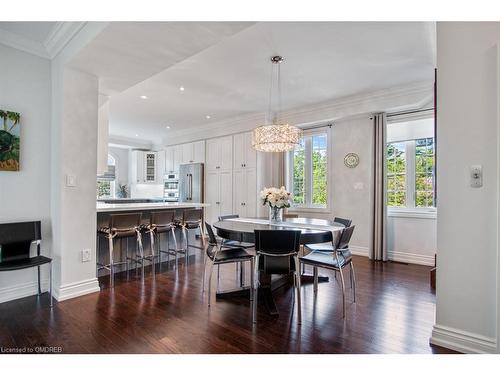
[
  {"x": 70, "y": 180},
  {"x": 476, "y": 176},
  {"x": 86, "y": 255}
]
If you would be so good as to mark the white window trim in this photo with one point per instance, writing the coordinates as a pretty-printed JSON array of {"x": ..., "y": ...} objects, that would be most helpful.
[
  {"x": 410, "y": 211},
  {"x": 288, "y": 176}
]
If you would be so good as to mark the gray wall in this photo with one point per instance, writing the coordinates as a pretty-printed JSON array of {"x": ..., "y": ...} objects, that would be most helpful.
[{"x": 25, "y": 195}]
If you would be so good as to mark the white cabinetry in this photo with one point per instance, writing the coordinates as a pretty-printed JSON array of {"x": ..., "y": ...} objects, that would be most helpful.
[
  {"x": 193, "y": 152},
  {"x": 219, "y": 154},
  {"x": 219, "y": 194},
  {"x": 245, "y": 155},
  {"x": 184, "y": 154},
  {"x": 244, "y": 176},
  {"x": 143, "y": 167},
  {"x": 245, "y": 192}
]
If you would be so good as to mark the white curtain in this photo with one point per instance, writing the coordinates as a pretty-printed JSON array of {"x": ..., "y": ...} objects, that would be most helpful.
[{"x": 378, "y": 249}]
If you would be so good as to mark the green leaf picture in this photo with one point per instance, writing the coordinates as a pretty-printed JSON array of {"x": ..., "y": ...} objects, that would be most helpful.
[{"x": 9, "y": 140}]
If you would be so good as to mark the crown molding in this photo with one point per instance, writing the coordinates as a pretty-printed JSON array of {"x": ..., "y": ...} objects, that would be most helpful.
[
  {"x": 60, "y": 35},
  {"x": 397, "y": 98},
  {"x": 23, "y": 44}
]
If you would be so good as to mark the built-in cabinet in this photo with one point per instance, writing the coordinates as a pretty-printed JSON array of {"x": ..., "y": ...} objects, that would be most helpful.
[
  {"x": 245, "y": 192},
  {"x": 219, "y": 154},
  {"x": 184, "y": 154},
  {"x": 244, "y": 176},
  {"x": 143, "y": 167},
  {"x": 219, "y": 178},
  {"x": 245, "y": 155},
  {"x": 219, "y": 194}
]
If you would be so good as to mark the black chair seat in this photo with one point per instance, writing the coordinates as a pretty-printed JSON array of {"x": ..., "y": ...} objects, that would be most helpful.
[
  {"x": 20, "y": 264},
  {"x": 245, "y": 245},
  {"x": 324, "y": 259},
  {"x": 230, "y": 255}
]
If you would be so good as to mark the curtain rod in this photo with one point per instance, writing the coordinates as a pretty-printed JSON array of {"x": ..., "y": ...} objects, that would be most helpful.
[
  {"x": 409, "y": 112},
  {"x": 318, "y": 126}
]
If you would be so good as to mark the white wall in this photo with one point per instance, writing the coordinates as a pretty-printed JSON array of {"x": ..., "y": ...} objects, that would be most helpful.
[
  {"x": 121, "y": 156},
  {"x": 25, "y": 195},
  {"x": 467, "y": 225}
]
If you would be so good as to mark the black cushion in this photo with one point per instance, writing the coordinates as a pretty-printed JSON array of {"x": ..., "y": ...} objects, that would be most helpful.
[
  {"x": 321, "y": 258},
  {"x": 20, "y": 264},
  {"x": 230, "y": 255}
]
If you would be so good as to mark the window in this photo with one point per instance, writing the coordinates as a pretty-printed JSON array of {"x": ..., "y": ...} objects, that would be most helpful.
[
  {"x": 106, "y": 183},
  {"x": 410, "y": 164},
  {"x": 307, "y": 171}
]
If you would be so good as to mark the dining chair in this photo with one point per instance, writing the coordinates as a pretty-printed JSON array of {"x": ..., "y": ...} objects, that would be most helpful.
[
  {"x": 277, "y": 252},
  {"x": 217, "y": 256},
  {"x": 344, "y": 222},
  {"x": 336, "y": 259}
]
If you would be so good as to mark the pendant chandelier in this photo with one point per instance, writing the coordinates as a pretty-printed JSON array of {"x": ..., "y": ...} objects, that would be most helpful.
[{"x": 275, "y": 135}]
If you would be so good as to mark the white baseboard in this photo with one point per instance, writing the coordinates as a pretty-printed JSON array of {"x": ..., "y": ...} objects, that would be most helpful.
[
  {"x": 462, "y": 341},
  {"x": 22, "y": 290},
  {"x": 359, "y": 250},
  {"x": 77, "y": 289},
  {"x": 397, "y": 256}
]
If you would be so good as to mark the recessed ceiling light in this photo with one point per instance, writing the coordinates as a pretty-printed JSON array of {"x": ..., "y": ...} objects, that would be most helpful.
[
  {"x": 207, "y": 117},
  {"x": 137, "y": 135},
  {"x": 168, "y": 127},
  {"x": 143, "y": 97},
  {"x": 181, "y": 88}
]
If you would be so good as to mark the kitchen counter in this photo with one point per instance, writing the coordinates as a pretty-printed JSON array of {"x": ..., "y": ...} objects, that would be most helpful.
[{"x": 117, "y": 207}]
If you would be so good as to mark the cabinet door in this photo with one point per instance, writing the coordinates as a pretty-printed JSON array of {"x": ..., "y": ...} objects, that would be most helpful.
[
  {"x": 251, "y": 192},
  {"x": 250, "y": 153},
  {"x": 239, "y": 148},
  {"x": 177, "y": 152},
  {"x": 226, "y": 153},
  {"x": 226, "y": 193},
  {"x": 140, "y": 167},
  {"x": 150, "y": 167},
  {"x": 213, "y": 154},
  {"x": 199, "y": 152},
  {"x": 187, "y": 153},
  {"x": 169, "y": 159},
  {"x": 239, "y": 192},
  {"x": 212, "y": 197}
]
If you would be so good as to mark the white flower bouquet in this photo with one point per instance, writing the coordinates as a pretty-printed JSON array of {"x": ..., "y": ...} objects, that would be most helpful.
[{"x": 276, "y": 199}]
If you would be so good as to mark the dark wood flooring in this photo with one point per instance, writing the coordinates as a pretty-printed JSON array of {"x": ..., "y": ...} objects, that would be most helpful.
[{"x": 168, "y": 313}]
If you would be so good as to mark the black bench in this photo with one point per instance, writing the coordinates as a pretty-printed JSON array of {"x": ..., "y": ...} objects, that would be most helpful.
[{"x": 15, "y": 243}]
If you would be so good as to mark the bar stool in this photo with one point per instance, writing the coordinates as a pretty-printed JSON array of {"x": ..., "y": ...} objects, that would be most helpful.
[
  {"x": 162, "y": 222},
  {"x": 120, "y": 226},
  {"x": 191, "y": 220}
]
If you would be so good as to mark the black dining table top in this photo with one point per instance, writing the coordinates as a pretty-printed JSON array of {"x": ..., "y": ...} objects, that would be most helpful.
[{"x": 244, "y": 231}]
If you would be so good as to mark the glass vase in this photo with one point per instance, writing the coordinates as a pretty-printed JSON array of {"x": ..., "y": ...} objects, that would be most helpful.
[{"x": 275, "y": 215}]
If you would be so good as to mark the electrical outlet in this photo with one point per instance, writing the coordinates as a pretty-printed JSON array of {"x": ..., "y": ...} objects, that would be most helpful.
[{"x": 86, "y": 255}]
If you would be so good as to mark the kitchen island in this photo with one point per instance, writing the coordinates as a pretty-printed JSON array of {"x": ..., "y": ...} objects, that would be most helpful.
[{"x": 145, "y": 208}]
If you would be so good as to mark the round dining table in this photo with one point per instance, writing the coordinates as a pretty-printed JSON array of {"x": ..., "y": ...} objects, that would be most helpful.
[{"x": 242, "y": 229}]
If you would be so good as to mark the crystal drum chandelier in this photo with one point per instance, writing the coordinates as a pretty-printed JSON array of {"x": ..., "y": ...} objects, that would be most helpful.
[{"x": 275, "y": 135}]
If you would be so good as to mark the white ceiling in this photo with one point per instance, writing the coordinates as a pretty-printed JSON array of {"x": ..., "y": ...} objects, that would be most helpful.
[
  {"x": 225, "y": 67},
  {"x": 37, "y": 31}
]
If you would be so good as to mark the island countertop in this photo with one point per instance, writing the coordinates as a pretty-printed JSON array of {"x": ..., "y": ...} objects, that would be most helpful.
[{"x": 110, "y": 207}]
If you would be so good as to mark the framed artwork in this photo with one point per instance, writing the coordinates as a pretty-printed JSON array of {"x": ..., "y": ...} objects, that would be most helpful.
[{"x": 10, "y": 136}]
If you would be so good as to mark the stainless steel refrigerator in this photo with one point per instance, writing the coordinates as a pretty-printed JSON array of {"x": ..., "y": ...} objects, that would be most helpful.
[{"x": 191, "y": 183}]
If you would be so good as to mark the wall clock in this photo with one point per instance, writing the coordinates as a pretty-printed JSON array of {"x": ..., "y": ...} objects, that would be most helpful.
[{"x": 351, "y": 160}]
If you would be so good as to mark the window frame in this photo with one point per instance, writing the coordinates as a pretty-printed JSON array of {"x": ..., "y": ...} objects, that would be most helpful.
[
  {"x": 410, "y": 210},
  {"x": 308, "y": 206}
]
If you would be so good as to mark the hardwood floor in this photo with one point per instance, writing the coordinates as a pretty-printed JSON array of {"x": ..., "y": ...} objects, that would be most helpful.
[{"x": 168, "y": 313}]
